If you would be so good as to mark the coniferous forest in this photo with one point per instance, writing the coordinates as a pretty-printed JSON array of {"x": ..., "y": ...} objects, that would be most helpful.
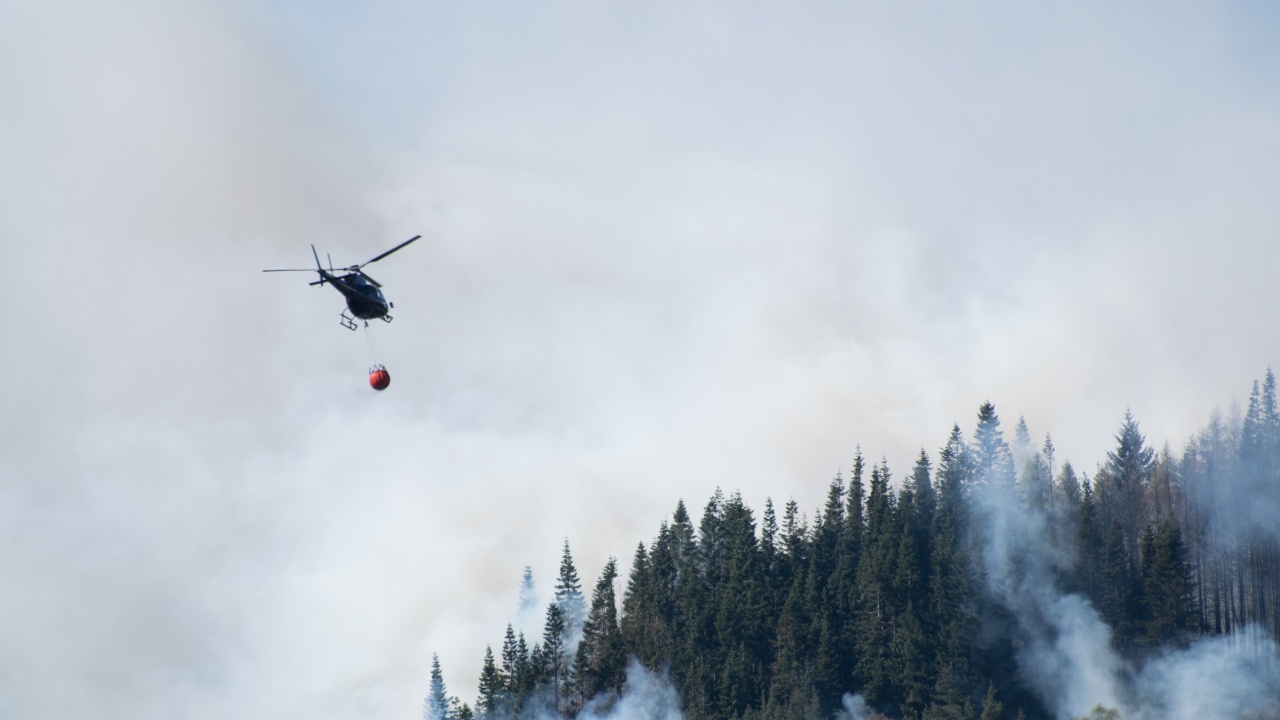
[{"x": 931, "y": 592}]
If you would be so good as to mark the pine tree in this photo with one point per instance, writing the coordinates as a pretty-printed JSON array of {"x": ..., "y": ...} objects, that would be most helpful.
[
  {"x": 854, "y": 516},
  {"x": 525, "y": 672},
  {"x": 1048, "y": 452},
  {"x": 877, "y": 604},
  {"x": 912, "y": 660},
  {"x": 1117, "y": 585},
  {"x": 992, "y": 709},
  {"x": 1067, "y": 490},
  {"x": 639, "y": 610},
  {"x": 1035, "y": 485},
  {"x": 600, "y": 662},
  {"x": 1252, "y": 429},
  {"x": 1269, "y": 415},
  {"x": 1022, "y": 448},
  {"x": 528, "y": 595},
  {"x": 992, "y": 459},
  {"x": 948, "y": 702},
  {"x": 1127, "y": 472},
  {"x": 741, "y": 629},
  {"x": 438, "y": 705},
  {"x": 1166, "y": 585},
  {"x": 1089, "y": 547},
  {"x": 569, "y": 595},
  {"x": 509, "y": 658},
  {"x": 554, "y": 662},
  {"x": 492, "y": 689},
  {"x": 769, "y": 532}
]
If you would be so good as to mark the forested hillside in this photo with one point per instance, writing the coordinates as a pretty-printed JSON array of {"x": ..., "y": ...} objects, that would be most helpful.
[{"x": 953, "y": 591}]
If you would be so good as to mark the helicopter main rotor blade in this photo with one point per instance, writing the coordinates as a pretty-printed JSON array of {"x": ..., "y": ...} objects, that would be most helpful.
[
  {"x": 365, "y": 275},
  {"x": 406, "y": 242},
  {"x": 293, "y": 270}
]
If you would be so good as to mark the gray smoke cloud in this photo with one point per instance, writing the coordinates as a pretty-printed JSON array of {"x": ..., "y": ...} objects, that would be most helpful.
[
  {"x": 665, "y": 249},
  {"x": 1064, "y": 648}
]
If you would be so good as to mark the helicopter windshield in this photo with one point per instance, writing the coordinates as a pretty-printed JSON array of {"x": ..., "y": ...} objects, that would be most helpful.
[{"x": 364, "y": 287}]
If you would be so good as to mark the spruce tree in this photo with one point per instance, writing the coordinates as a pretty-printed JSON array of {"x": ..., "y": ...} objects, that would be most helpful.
[
  {"x": 569, "y": 595},
  {"x": 854, "y": 517},
  {"x": 1166, "y": 585},
  {"x": 992, "y": 459},
  {"x": 1127, "y": 472},
  {"x": 528, "y": 594},
  {"x": 1048, "y": 452},
  {"x": 1022, "y": 447},
  {"x": 992, "y": 709},
  {"x": 555, "y": 664},
  {"x": 948, "y": 703},
  {"x": 489, "y": 706},
  {"x": 600, "y": 662},
  {"x": 509, "y": 658},
  {"x": 877, "y": 609},
  {"x": 912, "y": 658},
  {"x": 741, "y": 628},
  {"x": 1270, "y": 417},
  {"x": 1117, "y": 596},
  {"x": 437, "y": 705},
  {"x": 526, "y": 672}
]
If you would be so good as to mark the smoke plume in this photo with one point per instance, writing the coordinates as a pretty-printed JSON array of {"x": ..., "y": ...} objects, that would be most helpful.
[{"x": 1064, "y": 648}]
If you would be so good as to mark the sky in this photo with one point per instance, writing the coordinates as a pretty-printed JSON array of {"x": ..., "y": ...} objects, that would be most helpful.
[{"x": 666, "y": 248}]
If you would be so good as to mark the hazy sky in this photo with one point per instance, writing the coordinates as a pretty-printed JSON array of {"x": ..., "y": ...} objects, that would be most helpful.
[{"x": 664, "y": 248}]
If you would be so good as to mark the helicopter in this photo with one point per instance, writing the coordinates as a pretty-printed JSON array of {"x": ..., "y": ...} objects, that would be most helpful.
[{"x": 364, "y": 296}]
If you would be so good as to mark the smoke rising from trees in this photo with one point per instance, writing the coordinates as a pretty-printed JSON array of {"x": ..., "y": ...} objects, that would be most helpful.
[{"x": 968, "y": 588}]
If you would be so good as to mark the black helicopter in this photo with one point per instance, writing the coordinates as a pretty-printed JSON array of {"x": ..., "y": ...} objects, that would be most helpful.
[{"x": 364, "y": 298}]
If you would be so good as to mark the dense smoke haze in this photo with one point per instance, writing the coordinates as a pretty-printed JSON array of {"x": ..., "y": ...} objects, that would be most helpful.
[{"x": 665, "y": 249}]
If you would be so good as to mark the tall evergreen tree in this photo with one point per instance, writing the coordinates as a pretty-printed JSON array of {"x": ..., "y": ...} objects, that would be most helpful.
[
  {"x": 1022, "y": 447},
  {"x": 438, "y": 705},
  {"x": 992, "y": 709},
  {"x": 1166, "y": 590},
  {"x": 490, "y": 705},
  {"x": 600, "y": 662},
  {"x": 1117, "y": 585},
  {"x": 1049, "y": 452},
  {"x": 1089, "y": 547},
  {"x": 528, "y": 594},
  {"x": 877, "y": 603},
  {"x": 509, "y": 657},
  {"x": 854, "y": 517},
  {"x": 555, "y": 664},
  {"x": 569, "y": 594},
  {"x": 992, "y": 459},
  {"x": 1127, "y": 472}
]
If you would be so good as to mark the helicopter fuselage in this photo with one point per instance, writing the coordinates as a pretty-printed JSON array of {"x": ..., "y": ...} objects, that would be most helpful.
[{"x": 364, "y": 299}]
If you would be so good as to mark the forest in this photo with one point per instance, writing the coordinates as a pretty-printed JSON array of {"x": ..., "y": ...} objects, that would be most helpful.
[{"x": 989, "y": 581}]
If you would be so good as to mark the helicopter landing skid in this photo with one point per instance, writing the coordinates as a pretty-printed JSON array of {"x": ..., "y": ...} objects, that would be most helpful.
[
  {"x": 386, "y": 318},
  {"x": 347, "y": 321}
]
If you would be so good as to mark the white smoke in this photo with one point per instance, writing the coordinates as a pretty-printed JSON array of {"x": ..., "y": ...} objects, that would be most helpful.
[
  {"x": 1228, "y": 677},
  {"x": 646, "y": 696},
  {"x": 1064, "y": 650},
  {"x": 855, "y": 707}
]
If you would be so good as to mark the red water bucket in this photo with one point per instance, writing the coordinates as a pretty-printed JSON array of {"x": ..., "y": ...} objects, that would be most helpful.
[{"x": 379, "y": 378}]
